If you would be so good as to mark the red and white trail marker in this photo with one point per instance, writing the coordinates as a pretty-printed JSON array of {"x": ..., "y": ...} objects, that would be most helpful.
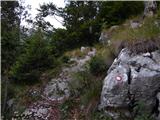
[{"x": 118, "y": 78}]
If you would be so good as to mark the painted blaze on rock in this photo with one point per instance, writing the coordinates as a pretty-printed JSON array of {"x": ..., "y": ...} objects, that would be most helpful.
[
  {"x": 130, "y": 79},
  {"x": 115, "y": 87}
]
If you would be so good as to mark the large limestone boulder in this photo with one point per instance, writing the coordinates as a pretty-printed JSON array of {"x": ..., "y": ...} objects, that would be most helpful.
[{"x": 131, "y": 79}]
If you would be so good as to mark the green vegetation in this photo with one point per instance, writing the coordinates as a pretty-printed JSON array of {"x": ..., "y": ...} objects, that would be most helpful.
[
  {"x": 10, "y": 48},
  {"x": 82, "y": 27},
  {"x": 65, "y": 59},
  {"x": 67, "y": 107},
  {"x": 148, "y": 30},
  {"x": 99, "y": 115},
  {"x": 97, "y": 66},
  {"x": 75, "y": 53},
  {"x": 119, "y": 11},
  {"x": 86, "y": 85},
  {"x": 80, "y": 81},
  {"x": 141, "y": 112},
  {"x": 102, "y": 61},
  {"x": 10, "y": 34},
  {"x": 141, "y": 39},
  {"x": 35, "y": 60}
]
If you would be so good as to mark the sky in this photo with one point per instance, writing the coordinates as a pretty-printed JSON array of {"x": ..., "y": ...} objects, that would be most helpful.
[{"x": 35, "y": 4}]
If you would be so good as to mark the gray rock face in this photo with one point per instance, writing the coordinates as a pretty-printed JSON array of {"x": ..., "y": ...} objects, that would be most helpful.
[
  {"x": 10, "y": 103},
  {"x": 135, "y": 24},
  {"x": 57, "y": 89},
  {"x": 115, "y": 87},
  {"x": 106, "y": 35},
  {"x": 150, "y": 8},
  {"x": 103, "y": 37},
  {"x": 131, "y": 79}
]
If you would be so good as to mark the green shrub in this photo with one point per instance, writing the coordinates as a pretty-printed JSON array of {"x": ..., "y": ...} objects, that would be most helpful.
[
  {"x": 35, "y": 60},
  {"x": 85, "y": 85},
  {"x": 100, "y": 115},
  {"x": 54, "y": 72},
  {"x": 65, "y": 59},
  {"x": 66, "y": 108},
  {"x": 142, "y": 112},
  {"x": 107, "y": 54},
  {"x": 97, "y": 66},
  {"x": 80, "y": 81},
  {"x": 87, "y": 88},
  {"x": 92, "y": 92}
]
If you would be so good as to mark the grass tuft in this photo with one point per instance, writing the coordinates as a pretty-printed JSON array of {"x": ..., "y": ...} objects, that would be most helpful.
[{"x": 139, "y": 40}]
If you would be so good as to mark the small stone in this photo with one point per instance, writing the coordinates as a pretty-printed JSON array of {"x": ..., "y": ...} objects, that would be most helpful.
[{"x": 147, "y": 54}]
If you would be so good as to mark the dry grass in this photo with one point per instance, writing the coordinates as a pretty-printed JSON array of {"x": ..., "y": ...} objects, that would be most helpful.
[
  {"x": 148, "y": 30},
  {"x": 107, "y": 53},
  {"x": 77, "y": 53},
  {"x": 144, "y": 46},
  {"x": 143, "y": 39}
]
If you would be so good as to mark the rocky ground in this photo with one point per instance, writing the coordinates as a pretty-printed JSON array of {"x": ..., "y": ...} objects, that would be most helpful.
[{"x": 55, "y": 92}]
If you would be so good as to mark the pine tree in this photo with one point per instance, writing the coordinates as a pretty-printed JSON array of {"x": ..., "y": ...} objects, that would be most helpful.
[
  {"x": 35, "y": 60},
  {"x": 10, "y": 23}
]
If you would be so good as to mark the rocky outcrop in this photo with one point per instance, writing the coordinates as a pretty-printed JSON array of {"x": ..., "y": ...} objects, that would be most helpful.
[
  {"x": 135, "y": 24},
  {"x": 42, "y": 110},
  {"x": 106, "y": 35},
  {"x": 131, "y": 79},
  {"x": 103, "y": 37}
]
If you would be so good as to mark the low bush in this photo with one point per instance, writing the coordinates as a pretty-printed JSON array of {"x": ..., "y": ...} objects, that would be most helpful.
[
  {"x": 87, "y": 88},
  {"x": 97, "y": 66},
  {"x": 99, "y": 115},
  {"x": 65, "y": 59},
  {"x": 76, "y": 53},
  {"x": 80, "y": 81},
  {"x": 141, "y": 112},
  {"x": 66, "y": 108}
]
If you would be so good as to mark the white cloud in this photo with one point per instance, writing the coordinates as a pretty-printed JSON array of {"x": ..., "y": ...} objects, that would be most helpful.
[{"x": 35, "y": 4}]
